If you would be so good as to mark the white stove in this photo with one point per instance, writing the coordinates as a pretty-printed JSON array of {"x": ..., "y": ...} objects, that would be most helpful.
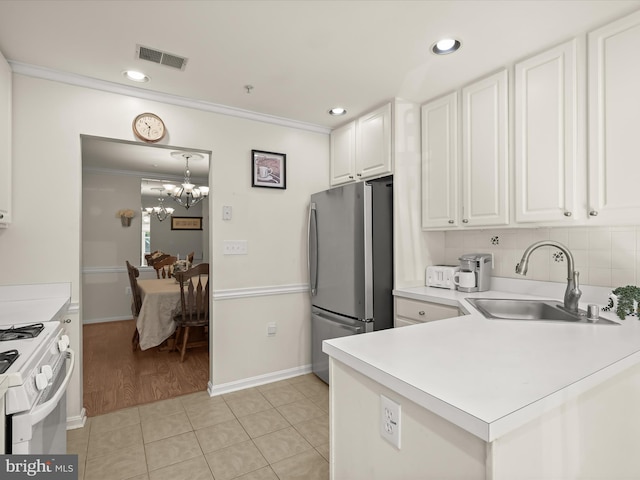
[
  {"x": 35, "y": 402},
  {"x": 34, "y": 355}
]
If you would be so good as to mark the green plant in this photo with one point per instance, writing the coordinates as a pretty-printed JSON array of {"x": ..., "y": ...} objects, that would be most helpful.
[{"x": 626, "y": 297}]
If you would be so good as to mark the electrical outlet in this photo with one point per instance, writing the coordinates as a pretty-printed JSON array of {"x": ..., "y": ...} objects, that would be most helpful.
[
  {"x": 271, "y": 329},
  {"x": 390, "y": 421},
  {"x": 226, "y": 212},
  {"x": 235, "y": 247},
  {"x": 127, "y": 290}
]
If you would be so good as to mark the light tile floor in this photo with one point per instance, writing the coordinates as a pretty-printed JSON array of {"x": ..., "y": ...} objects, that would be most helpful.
[{"x": 274, "y": 431}]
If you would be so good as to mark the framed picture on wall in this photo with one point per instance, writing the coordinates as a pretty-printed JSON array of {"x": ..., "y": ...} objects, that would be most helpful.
[
  {"x": 186, "y": 223},
  {"x": 268, "y": 169}
]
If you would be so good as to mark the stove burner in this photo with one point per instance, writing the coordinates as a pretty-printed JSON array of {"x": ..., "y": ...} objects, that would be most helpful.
[
  {"x": 16, "y": 333},
  {"x": 7, "y": 358}
]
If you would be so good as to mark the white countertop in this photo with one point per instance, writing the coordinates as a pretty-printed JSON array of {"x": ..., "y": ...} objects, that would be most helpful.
[
  {"x": 33, "y": 303},
  {"x": 490, "y": 376}
]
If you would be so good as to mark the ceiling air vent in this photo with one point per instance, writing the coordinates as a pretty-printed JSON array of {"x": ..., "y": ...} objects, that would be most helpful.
[{"x": 163, "y": 58}]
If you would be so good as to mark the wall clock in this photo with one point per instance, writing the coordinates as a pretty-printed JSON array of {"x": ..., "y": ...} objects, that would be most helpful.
[{"x": 149, "y": 127}]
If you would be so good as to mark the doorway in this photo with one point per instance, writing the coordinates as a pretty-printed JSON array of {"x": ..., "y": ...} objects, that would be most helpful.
[{"x": 114, "y": 175}]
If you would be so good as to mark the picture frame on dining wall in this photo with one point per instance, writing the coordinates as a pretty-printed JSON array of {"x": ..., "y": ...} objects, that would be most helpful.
[
  {"x": 186, "y": 223},
  {"x": 268, "y": 169}
]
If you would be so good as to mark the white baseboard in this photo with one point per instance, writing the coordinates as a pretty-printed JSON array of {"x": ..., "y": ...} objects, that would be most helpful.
[
  {"x": 234, "y": 386},
  {"x": 106, "y": 319},
  {"x": 78, "y": 421}
]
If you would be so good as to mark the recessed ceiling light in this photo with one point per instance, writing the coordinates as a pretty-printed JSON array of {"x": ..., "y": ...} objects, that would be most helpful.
[
  {"x": 136, "y": 76},
  {"x": 337, "y": 111},
  {"x": 445, "y": 46}
]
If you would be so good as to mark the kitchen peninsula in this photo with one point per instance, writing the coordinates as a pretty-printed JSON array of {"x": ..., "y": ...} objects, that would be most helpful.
[{"x": 488, "y": 399}]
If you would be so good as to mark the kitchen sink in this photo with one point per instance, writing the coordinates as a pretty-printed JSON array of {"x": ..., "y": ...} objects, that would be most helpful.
[{"x": 545, "y": 310}]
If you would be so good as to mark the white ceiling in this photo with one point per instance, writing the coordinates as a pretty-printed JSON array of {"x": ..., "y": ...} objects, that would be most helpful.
[{"x": 302, "y": 57}]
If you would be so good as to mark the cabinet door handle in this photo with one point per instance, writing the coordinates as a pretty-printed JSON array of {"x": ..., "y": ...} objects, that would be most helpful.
[
  {"x": 593, "y": 213},
  {"x": 1, "y": 215},
  {"x": 359, "y": 174},
  {"x": 421, "y": 312},
  {"x": 451, "y": 221},
  {"x": 351, "y": 177},
  {"x": 464, "y": 220},
  {"x": 567, "y": 214}
]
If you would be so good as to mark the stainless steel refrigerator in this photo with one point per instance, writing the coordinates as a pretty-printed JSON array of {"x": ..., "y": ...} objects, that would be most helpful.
[{"x": 350, "y": 263}]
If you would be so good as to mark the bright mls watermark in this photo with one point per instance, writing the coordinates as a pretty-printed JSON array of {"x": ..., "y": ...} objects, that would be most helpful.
[{"x": 50, "y": 467}]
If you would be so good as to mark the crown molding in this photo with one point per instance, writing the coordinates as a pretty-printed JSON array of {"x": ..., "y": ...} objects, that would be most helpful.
[{"x": 88, "y": 82}]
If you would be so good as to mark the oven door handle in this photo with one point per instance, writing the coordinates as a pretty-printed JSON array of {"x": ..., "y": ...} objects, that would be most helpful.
[{"x": 42, "y": 411}]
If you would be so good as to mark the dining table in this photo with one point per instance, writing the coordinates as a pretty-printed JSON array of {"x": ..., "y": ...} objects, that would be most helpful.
[{"x": 160, "y": 302}]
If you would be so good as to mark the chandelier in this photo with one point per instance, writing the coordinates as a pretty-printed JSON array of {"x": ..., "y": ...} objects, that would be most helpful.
[
  {"x": 160, "y": 210},
  {"x": 186, "y": 194}
]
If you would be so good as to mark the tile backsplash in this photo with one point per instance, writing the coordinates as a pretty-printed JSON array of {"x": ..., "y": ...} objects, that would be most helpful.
[{"x": 604, "y": 256}]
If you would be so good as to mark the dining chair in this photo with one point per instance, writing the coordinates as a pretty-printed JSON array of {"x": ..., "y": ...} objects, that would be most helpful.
[
  {"x": 194, "y": 306},
  {"x": 190, "y": 258},
  {"x": 136, "y": 303},
  {"x": 154, "y": 257},
  {"x": 162, "y": 267}
]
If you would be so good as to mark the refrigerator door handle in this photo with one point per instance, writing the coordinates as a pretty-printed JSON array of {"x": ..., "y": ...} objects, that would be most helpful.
[
  {"x": 354, "y": 327},
  {"x": 312, "y": 244}
]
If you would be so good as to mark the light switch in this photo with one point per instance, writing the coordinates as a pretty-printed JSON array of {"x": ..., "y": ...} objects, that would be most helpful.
[{"x": 235, "y": 247}]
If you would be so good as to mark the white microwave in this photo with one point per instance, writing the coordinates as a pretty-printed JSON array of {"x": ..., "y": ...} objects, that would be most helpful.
[{"x": 441, "y": 276}]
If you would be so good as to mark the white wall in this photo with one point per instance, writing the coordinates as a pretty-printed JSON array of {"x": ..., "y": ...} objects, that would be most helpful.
[
  {"x": 44, "y": 242},
  {"x": 106, "y": 244},
  {"x": 414, "y": 249}
]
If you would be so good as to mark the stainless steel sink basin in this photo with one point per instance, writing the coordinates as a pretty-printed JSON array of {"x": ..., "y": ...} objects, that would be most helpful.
[{"x": 546, "y": 310}]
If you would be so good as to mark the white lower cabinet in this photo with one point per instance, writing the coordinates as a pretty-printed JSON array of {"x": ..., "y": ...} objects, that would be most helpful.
[{"x": 410, "y": 312}]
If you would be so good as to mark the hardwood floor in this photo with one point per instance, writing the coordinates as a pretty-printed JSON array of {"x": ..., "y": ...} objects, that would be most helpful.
[{"x": 115, "y": 377}]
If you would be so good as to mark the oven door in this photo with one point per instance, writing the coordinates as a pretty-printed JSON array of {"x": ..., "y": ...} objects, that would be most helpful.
[{"x": 43, "y": 429}]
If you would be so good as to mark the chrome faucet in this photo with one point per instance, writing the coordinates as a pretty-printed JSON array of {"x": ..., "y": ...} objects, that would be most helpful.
[{"x": 572, "y": 293}]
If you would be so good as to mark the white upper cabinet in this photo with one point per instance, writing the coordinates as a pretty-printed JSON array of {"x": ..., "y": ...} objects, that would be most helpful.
[
  {"x": 485, "y": 188},
  {"x": 614, "y": 121},
  {"x": 559, "y": 177},
  {"x": 343, "y": 154},
  {"x": 373, "y": 143},
  {"x": 547, "y": 137},
  {"x": 473, "y": 191},
  {"x": 5, "y": 142},
  {"x": 440, "y": 197},
  {"x": 362, "y": 149}
]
